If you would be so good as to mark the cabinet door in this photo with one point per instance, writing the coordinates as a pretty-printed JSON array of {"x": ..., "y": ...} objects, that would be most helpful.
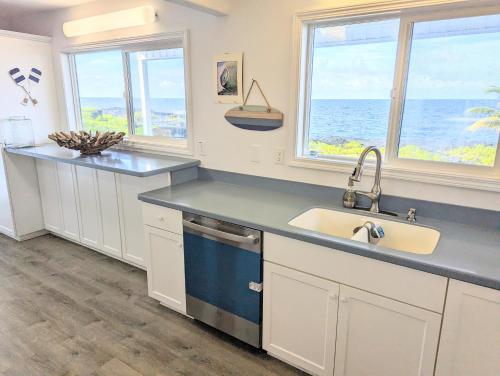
[
  {"x": 49, "y": 192},
  {"x": 165, "y": 265},
  {"x": 69, "y": 212},
  {"x": 6, "y": 219},
  {"x": 470, "y": 338},
  {"x": 377, "y": 336},
  {"x": 89, "y": 208},
  {"x": 129, "y": 187},
  {"x": 300, "y": 317},
  {"x": 110, "y": 217}
]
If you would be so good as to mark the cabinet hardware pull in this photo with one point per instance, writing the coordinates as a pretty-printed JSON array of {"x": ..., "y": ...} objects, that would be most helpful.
[{"x": 249, "y": 239}]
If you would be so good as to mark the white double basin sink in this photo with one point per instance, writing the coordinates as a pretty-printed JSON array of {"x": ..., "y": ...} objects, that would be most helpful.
[{"x": 400, "y": 236}]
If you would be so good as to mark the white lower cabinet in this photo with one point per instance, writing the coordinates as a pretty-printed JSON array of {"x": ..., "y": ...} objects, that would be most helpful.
[
  {"x": 99, "y": 213},
  {"x": 6, "y": 217},
  {"x": 21, "y": 214},
  {"x": 128, "y": 188},
  {"x": 99, "y": 209},
  {"x": 88, "y": 203},
  {"x": 377, "y": 336},
  {"x": 470, "y": 339},
  {"x": 165, "y": 266},
  {"x": 50, "y": 196},
  {"x": 109, "y": 213},
  {"x": 68, "y": 198},
  {"x": 326, "y": 328},
  {"x": 58, "y": 194},
  {"x": 299, "y": 318}
]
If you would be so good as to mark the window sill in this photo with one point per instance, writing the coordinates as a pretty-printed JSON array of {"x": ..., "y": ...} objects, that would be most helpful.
[
  {"x": 156, "y": 145},
  {"x": 452, "y": 179}
]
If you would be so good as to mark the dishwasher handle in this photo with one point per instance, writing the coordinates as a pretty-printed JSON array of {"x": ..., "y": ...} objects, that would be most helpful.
[{"x": 250, "y": 239}]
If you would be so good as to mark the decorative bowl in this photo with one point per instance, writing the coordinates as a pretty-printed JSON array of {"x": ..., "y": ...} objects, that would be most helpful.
[{"x": 86, "y": 142}]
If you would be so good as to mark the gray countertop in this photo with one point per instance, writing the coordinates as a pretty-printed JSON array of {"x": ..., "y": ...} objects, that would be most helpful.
[
  {"x": 464, "y": 252},
  {"x": 121, "y": 161}
]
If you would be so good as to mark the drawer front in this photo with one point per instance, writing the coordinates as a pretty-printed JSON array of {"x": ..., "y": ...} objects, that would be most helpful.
[
  {"x": 407, "y": 285},
  {"x": 162, "y": 218}
]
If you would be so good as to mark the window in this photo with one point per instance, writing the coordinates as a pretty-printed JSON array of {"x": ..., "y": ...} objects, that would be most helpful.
[
  {"x": 423, "y": 87},
  {"x": 352, "y": 74},
  {"x": 100, "y": 91},
  {"x": 453, "y": 70},
  {"x": 158, "y": 93},
  {"x": 137, "y": 88}
]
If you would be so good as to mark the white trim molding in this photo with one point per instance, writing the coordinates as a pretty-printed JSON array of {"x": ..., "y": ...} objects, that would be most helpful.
[
  {"x": 216, "y": 7},
  {"x": 440, "y": 173},
  {"x": 33, "y": 37},
  {"x": 378, "y": 7},
  {"x": 124, "y": 42},
  {"x": 175, "y": 39}
]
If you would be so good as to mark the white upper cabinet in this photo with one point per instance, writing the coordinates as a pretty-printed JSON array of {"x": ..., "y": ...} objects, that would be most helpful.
[
  {"x": 128, "y": 188},
  {"x": 470, "y": 339},
  {"x": 299, "y": 318},
  {"x": 377, "y": 336},
  {"x": 49, "y": 192}
]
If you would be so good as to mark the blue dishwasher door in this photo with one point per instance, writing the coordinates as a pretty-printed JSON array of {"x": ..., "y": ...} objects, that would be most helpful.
[{"x": 217, "y": 286}]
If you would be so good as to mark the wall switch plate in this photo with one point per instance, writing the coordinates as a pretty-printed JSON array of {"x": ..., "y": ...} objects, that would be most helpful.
[
  {"x": 255, "y": 153},
  {"x": 202, "y": 148},
  {"x": 279, "y": 155}
]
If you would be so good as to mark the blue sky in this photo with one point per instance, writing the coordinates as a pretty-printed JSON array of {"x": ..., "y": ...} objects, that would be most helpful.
[
  {"x": 449, "y": 67},
  {"x": 454, "y": 67},
  {"x": 100, "y": 74}
]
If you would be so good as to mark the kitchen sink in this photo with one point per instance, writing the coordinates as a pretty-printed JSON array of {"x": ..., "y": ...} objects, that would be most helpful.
[{"x": 399, "y": 236}]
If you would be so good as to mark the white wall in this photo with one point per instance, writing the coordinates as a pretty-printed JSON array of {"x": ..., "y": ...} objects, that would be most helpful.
[
  {"x": 29, "y": 53},
  {"x": 262, "y": 29}
]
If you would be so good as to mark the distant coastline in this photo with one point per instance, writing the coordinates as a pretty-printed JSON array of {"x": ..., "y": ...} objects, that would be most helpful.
[{"x": 432, "y": 129}]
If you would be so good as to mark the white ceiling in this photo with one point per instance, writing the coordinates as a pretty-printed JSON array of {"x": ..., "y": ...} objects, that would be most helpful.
[{"x": 9, "y": 8}]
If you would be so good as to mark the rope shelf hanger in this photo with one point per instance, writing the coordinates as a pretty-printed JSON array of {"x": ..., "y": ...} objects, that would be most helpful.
[{"x": 255, "y": 117}]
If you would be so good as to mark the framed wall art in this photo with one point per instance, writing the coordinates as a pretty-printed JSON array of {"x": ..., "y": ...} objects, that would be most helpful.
[{"x": 228, "y": 74}]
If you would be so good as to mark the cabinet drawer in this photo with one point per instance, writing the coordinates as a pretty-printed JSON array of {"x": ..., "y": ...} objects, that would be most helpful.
[
  {"x": 162, "y": 218},
  {"x": 407, "y": 285}
]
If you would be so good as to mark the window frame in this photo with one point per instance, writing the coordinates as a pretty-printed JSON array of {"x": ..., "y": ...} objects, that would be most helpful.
[
  {"x": 126, "y": 46},
  {"x": 408, "y": 12}
]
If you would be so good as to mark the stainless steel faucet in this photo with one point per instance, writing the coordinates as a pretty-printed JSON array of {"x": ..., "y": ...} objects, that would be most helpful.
[{"x": 351, "y": 195}]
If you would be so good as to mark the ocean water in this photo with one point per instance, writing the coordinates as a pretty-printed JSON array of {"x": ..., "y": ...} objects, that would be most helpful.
[{"x": 430, "y": 124}]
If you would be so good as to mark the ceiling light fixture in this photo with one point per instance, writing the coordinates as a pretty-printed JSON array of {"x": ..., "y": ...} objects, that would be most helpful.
[{"x": 110, "y": 21}]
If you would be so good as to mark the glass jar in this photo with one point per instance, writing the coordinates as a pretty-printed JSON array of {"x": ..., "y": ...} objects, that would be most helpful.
[{"x": 17, "y": 132}]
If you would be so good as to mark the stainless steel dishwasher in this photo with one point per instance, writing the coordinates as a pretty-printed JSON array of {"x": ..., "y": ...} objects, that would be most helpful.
[{"x": 223, "y": 264}]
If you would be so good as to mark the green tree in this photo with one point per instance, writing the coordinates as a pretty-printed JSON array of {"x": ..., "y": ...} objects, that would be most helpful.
[{"x": 492, "y": 115}]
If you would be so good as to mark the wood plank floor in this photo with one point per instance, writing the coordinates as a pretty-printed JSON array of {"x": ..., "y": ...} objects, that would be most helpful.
[{"x": 67, "y": 310}]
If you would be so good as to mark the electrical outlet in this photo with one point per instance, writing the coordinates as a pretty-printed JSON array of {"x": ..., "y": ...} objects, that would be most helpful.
[
  {"x": 279, "y": 155},
  {"x": 202, "y": 148},
  {"x": 255, "y": 153}
]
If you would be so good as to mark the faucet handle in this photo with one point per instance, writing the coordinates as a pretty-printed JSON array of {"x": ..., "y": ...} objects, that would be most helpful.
[
  {"x": 356, "y": 174},
  {"x": 411, "y": 216},
  {"x": 377, "y": 232}
]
